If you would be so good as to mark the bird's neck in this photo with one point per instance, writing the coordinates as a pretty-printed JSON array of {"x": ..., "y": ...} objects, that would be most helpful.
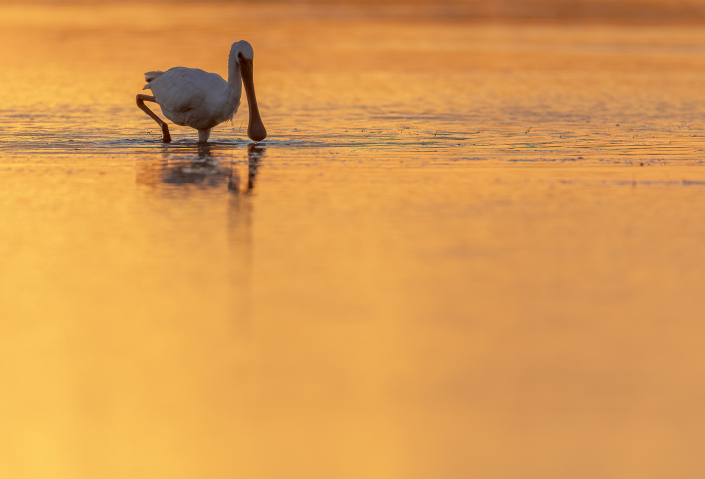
[{"x": 234, "y": 79}]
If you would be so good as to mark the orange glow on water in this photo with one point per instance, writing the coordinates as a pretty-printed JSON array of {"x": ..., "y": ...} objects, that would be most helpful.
[{"x": 464, "y": 250}]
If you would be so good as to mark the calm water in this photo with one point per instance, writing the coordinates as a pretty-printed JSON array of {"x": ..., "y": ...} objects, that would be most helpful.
[{"x": 465, "y": 250}]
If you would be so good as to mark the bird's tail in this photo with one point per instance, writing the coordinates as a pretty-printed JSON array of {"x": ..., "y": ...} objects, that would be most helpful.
[{"x": 151, "y": 76}]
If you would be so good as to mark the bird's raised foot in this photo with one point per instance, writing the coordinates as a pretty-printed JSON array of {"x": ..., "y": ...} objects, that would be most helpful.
[{"x": 166, "y": 137}]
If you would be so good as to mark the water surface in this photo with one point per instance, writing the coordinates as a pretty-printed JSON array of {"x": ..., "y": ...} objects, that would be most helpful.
[{"x": 465, "y": 249}]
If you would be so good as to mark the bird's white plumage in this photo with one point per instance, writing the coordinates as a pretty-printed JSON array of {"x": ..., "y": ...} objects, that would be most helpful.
[{"x": 195, "y": 98}]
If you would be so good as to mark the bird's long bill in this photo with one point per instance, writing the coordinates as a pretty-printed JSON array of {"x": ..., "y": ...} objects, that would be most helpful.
[{"x": 255, "y": 129}]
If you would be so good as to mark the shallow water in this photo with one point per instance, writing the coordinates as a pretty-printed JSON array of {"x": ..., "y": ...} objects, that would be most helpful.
[{"x": 464, "y": 250}]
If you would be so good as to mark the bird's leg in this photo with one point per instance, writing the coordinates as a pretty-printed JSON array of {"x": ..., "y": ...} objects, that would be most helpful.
[
  {"x": 166, "y": 138},
  {"x": 203, "y": 135}
]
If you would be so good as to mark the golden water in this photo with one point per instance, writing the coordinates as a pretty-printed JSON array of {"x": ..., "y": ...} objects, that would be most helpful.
[{"x": 465, "y": 250}]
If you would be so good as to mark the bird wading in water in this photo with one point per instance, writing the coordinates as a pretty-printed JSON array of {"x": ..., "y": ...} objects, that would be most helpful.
[{"x": 202, "y": 100}]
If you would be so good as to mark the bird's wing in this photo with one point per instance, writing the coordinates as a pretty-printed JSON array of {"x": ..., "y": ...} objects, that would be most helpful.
[{"x": 181, "y": 89}]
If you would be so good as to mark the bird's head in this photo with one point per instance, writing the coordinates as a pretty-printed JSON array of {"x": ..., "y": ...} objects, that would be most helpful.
[{"x": 242, "y": 51}]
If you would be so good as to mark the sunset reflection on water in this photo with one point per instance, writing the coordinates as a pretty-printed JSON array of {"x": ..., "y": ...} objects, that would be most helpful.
[{"x": 466, "y": 248}]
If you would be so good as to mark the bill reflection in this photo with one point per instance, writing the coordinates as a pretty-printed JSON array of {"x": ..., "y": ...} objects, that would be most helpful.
[{"x": 255, "y": 152}]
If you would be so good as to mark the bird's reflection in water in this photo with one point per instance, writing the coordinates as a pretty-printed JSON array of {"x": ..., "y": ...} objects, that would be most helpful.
[
  {"x": 213, "y": 173},
  {"x": 203, "y": 167},
  {"x": 203, "y": 170}
]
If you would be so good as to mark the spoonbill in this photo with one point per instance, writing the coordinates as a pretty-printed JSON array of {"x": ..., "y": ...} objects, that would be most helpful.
[{"x": 202, "y": 100}]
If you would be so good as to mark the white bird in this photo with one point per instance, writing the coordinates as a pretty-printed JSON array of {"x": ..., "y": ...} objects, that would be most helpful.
[{"x": 202, "y": 100}]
